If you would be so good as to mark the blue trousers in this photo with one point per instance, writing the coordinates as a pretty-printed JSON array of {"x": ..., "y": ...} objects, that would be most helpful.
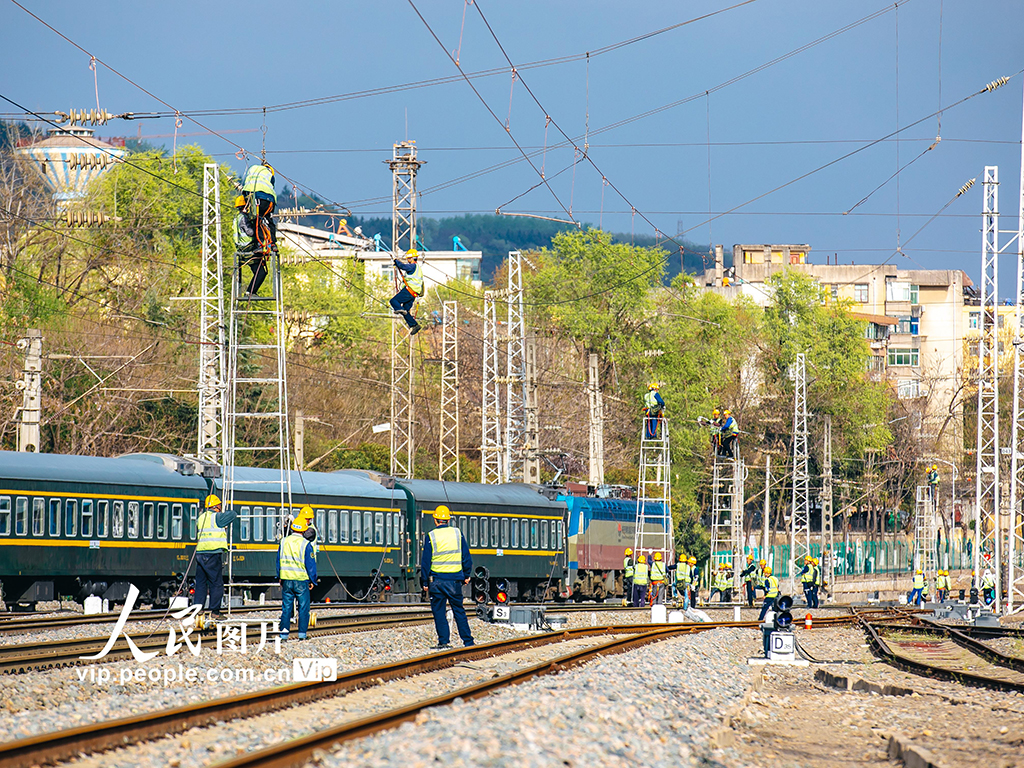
[
  {"x": 209, "y": 580},
  {"x": 445, "y": 592},
  {"x": 639, "y": 595},
  {"x": 402, "y": 303},
  {"x": 814, "y": 596},
  {"x": 809, "y": 594},
  {"x": 291, "y": 592},
  {"x": 915, "y": 597},
  {"x": 767, "y": 605}
]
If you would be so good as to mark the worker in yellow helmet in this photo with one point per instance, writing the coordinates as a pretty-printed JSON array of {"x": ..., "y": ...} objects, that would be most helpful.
[
  {"x": 444, "y": 567},
  {"x": 641, "y": 579},
  {"x": 917, "y": 590},
  {"x": 296, "y": 568},
  {"x": 255, "y": 237},
  {"x": 770, "y": 587},
  {"x": 749, "y": 576},
  {"x": 933, "y": 483},
  {"x": 730, "y": 431},
  {"x": 311, "y": 533},
  {"x": 211, "y": 544},
  {"x": 411, "y": 272},
  {"x": 942, "y": 585},
  {"x": 627, "y": 576},
  {"x": 657, "y": 591},
  {"x": 654, "y": 406}
]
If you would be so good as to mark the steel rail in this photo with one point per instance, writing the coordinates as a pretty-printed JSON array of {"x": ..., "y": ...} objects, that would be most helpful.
[{"x": 98, "y": 737}]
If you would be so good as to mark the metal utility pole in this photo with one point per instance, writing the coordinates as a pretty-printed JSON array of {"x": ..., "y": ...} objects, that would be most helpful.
[
  {"x": 404, "y": 166},
  {"x": 986, "y": 487},
  {"x": 515, "y": 382},
  {"x": 799, "y": 523},
  {"x": 1015, "y": 536},
  {"x": 596, "y": 423},
  {"x": 300, "y": 441},
  {"x": 448, "y": 453},
  {"x": 532, "y": 464},
  {"x": 490, "y": 431},
  {"x": 31, "y": 386},
  {"x": 212, "y": 342},
  {"x": 827, "y": 543},
  {"x": 767, "y": 504}
]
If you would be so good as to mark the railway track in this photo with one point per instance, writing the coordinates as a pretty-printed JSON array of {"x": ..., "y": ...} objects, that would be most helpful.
[
  {"x": 62, "y": 745},
  {"x": 939, "y": 650}
]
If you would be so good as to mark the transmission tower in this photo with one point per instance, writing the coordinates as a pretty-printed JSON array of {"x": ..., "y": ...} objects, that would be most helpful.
[
  {"x": 799, "y": 522},
  {"x": 404, "y": 166},
  {"x": 515, "y": 381},
  {"x": 448, "y": 466},
  {"x": 596, "y": 423},
  {"x": 490, "y": 431},
  {"x": 827, "y": 538},
  {"x": 986, "y": 488},
  {"x": 212, "y": 346},
  {"x": 532, "y": 464},
  {"x": 1015, "y": 536}
]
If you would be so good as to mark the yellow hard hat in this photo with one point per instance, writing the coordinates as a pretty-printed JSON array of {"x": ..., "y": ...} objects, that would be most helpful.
[
  {"x": 918, "y": 571},
  {"x": 239, "y": 202},
  {"x": 657, "y": 555},
  {"x": 935, "y": 466},
  {"x": 642, "y": 559},
  {"x": 653, "y": 385},
  {"x": 762, "y": 563},
  {"x": 306, "y": 512},
  {"x": 767, "y": 570},
  {"x": 750, "y": 558},
  {"x": 692, "y": 560},
  {"x": 268, "y": 165},
  {"x": 442, "y": 513},
  {"x": 715, "y": 412},
  {"x": 412, "y": 253},
  {"x": 629, "y": 550},
  {"x": 300, "y": 524},
  {"x": 728, "y": 412},
  {"x": 212, "y": 501},
  {"x": 808, "y": 559},
  {"x": 815, "y": 560}
]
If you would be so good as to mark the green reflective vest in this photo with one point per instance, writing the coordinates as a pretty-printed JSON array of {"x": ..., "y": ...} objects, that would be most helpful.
[
  {"x": 243, "y": 240},
  {"x": 807, "y": 577},
  {"x": 771, "y": 587},
  {"x": 942, "y": 582},
  {"x": 446, "y": 550},
  {"x": 641, "y": 574},
  {"x": 987, "y": 582},
  {"x": 683, "y": 573},
  {"x": 918, "y": 581},
  {"x": 651, "y": 400},
  {"x": 627, "y": 567},
  {"x": 293, "y": 558},
  {"x": 259, "y": 178},
  {"x": 657, "y": 571},
  {"x": 722, "y": 581},
  {"x": 212, "y": 537},
  {"x": 414, "y": 280}
]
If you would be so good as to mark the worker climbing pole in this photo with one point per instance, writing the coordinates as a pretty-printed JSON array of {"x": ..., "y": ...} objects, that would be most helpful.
[
  {"x": 727, "y": 475},
  {"x": 653, "y": 534}
]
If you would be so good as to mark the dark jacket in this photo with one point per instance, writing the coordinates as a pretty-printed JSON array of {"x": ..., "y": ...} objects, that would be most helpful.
[{"x": 425, "y": 572}]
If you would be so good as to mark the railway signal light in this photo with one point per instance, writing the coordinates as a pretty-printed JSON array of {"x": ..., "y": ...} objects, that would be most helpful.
[
  {"x": 501, "y": 596},
  {"x": 481, "y": 584}
]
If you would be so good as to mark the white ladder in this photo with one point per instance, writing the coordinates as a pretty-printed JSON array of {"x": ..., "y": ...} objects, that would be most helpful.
[{"x": 654, "y": 498}]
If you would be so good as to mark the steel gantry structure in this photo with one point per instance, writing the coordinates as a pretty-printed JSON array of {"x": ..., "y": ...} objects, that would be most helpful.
[
  {"x": 799, "y": 523},
  {"x": 490, "y": 429},
  {"x": 212, "y": 341},
  {"x": 404, "y": 166},
  {"x": 515, "y": 378},
  {"x": 1015, "y": 534},
  {"x": 986, "y": 487},
  {"x": 448, "y": 452}
]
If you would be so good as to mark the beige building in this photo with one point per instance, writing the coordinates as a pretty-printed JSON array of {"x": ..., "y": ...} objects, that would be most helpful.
[{"x": 916, "y": 322}]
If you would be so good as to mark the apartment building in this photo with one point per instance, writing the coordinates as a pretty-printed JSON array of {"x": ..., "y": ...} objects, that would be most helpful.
[{"x": 915, "y": 322}]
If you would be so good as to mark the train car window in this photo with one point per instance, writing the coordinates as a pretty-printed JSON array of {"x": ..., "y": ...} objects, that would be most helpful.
[
  {"x": 504, "y": 532},
  {"x": 526, "y": 534},
  {"x": 55, "y": 517},
  {"x": 558, "y": 543},
  {"x": 20, "y": 515},
  {"x": 176, "y": 523},
  {"x": 161, "y": 520},
  {"x": 321, "y": 524},
  {"x": 193, "y": 515},
  {"x": 38, "y": 512},
  {"x": 357, "y": 527},
  {"x": 332, "y": 526},
  {"x": 533, "y": 534},
  {"x": 118, "y": 529},
  {"x": 483, "y": 531},
  {"x": 378, "y": 528},
  {"x": 257, "y": 524},
  {"x": 102, "y": 518},
  {"x": 494, "y": 532},
  {"x": 245, "y": 526},
  {"x": 343, "y": 526},
  {"x": 397, "y": 529},
  {"x": 473, "y": 528},
  {"x": 70, "y": 517},
  {"x": 148, "y": 520},
  {"x": 463, "y": 525},
  {"x": 87, "y": 518},
  {"x": 5, "y": 515},
  {"x": 367, "y": 527},
  {"x": 515, "y": 534},
  {"x": 544, "y": 534},
  {"x": 388, "y": 535}
]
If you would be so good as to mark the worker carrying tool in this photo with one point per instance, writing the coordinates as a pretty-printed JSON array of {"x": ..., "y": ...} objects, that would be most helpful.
[
  {"x": 654, "y": 406},
  {"x": 296, "y": 568},
  {"x": 445, "y": 566},
  {"x": 657, "y": 591},
  {"x": 627, "y": 576},
  {"x": 749, "y": 576},
  {"x": 729, "y": 431},
  {"x": 411, "y": 271}
]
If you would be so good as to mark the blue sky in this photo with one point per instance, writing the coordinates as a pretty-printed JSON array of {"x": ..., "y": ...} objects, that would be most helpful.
[{"x": 820, "y": 103}]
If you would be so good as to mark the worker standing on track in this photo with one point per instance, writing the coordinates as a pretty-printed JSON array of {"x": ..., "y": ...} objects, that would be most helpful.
[
  {"x": 683, "y": 581},
  {"x": 657, "y": 580},
  {"x": 942, "y": 585},
  {"x": 807, "y": 579},
  {"x": 412, "y": 287},
  {"x": 730, "y": 430},
  {"x": 722, "y": 585},
  {"x": 446, "y": 565},
  {"x": 641, "y": 578},
  {"x": 296, "y": 568},
  {"x": 918, "y": 588},
  {"x": 988, "y": 587},
  {"x": 770, "y": 587},
  {"x": 749, "y": 575},
  {"x": 212, "y": 542},
  {"x": 819, "y": 581},
  {"x": 627, "y": 577},
  {"x": 654, "y": 406}
]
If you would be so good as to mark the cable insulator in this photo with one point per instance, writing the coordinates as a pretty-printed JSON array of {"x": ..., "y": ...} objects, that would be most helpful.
[
  {"x": 997, "y": 83},
  {"x": 966, "y": 186},
  {"x": 87, "y": 218},
  {"x": 83, "y": 116}
]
